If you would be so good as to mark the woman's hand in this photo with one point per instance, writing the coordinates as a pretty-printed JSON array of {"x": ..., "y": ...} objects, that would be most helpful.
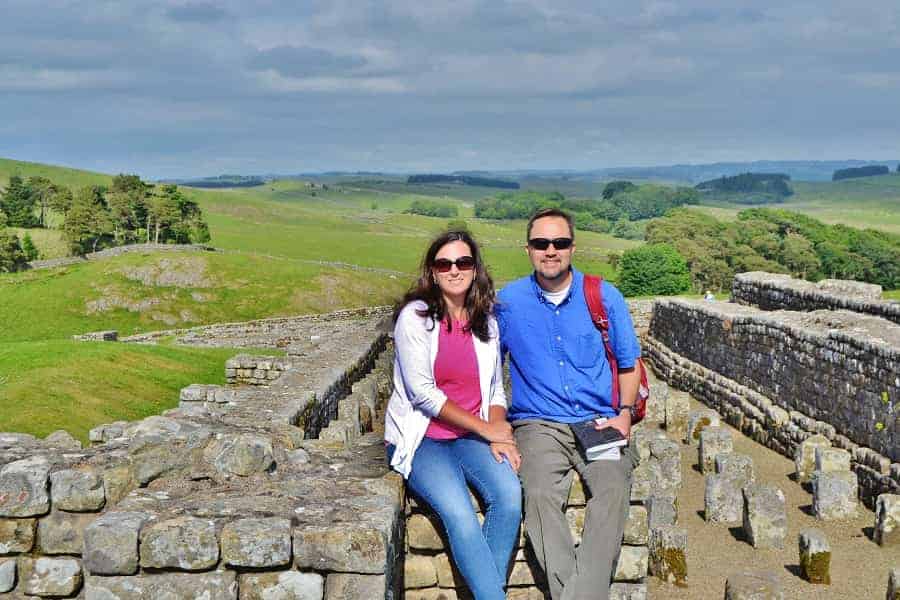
[
  {"x": 509, "y": 451},
  {"x": 497, "y": 431}
]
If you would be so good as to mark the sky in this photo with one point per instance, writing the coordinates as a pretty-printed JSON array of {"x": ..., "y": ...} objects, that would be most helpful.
[{"x": 204, "y": 87}]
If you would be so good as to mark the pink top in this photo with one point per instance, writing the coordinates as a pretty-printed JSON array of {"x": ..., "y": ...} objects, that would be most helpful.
[{"x": 456, "y": 374}]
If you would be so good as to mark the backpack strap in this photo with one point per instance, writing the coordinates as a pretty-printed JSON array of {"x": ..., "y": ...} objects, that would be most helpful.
[{"x": 593, "y": 295}]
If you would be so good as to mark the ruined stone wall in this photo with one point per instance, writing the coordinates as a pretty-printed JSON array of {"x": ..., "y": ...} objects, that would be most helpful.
[
  {"x": 223, "y": 497},
  {"x": 770, "y": 291},
  {"x": 782, "y": 376},
  {"x": 52, "y": 263}
]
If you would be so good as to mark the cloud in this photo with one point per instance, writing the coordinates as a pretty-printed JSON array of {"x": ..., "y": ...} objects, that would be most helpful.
[
  {"x": 301, "y": 61},
  {"x": 196, "y": 12}
]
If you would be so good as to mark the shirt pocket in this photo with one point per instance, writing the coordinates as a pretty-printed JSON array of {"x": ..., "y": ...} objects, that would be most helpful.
[{"x": 584, "y": 350}]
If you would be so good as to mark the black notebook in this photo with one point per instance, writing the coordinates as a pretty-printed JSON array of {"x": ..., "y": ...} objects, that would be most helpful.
[{"x": 598, "y": 444}]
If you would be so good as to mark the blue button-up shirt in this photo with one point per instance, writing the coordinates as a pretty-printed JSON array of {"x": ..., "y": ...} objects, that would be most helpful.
[{"x": 557, "y": 361}]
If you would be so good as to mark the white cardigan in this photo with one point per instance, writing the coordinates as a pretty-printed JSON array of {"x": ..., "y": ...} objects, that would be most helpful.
[{"x": 416, "y": 398}]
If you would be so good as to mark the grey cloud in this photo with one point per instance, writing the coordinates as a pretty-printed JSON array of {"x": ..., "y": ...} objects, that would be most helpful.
[
  {"x": 196, "y": 12},
  {"x": 294, "y": 61}
]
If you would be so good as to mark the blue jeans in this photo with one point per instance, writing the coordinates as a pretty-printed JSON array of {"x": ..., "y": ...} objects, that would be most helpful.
[{"x": 440, "y": 472}]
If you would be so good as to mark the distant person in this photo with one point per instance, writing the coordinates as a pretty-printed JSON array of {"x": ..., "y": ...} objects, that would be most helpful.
[
  {"x": 709, "y": 297},
  {"x": 561, "y": 377},
  {"x": 446, "y": 424}
]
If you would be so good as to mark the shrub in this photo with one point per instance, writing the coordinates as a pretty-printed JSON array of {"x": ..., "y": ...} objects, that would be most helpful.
[{"x": 653, "y": 269}]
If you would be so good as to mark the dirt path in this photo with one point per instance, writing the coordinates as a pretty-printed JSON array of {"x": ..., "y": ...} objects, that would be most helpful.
[{"x": 859, "y": 567}]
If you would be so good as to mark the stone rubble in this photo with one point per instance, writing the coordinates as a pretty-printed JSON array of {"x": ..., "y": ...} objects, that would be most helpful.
[
  {"x": 835, "y": 495},
  {"x": 887, "y": 520},
  {"x": 754, "y": 585},
  {"x": 815, "y": 556},
  {"x": 765, "y": 518}
]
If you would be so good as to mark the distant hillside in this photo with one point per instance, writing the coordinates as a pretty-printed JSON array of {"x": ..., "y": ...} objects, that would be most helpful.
[
  {"x": 222, "y": 181},
  {"x": 463, "y": 180},
  {"x": 798, "y": 170},
  {"x": 73, "y": 178}
]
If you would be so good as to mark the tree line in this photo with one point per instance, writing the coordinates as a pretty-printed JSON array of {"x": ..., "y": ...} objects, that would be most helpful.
[
  {"x": 97, "y": 216},
  {"x": 750, "y": 188},
  {"x": 867, "y": 171},
  {"x": 622, "y": 209},
  {"x": 464, "y": 180},
  {"x": 778, "y": 241},
  {"x": 432, "y": 208}
]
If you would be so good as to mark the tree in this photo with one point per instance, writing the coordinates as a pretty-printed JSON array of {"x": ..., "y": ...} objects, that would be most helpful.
[
  {"x": 18, "y": 204},
  {"x": 128, "y": 207},
  {"x": 798, "y": 255},
  {"x": 88, "y": 224},
  {"x": 42, "y": 191},
  {"x": 29, "y": 249},
  {"x": 172, "y": 217},
  {"x": 12, "y": 258},
  {"x": 615, "y": 187},
  {"x": 61, "y": 201},
  {"x": 653, "y": 269}
]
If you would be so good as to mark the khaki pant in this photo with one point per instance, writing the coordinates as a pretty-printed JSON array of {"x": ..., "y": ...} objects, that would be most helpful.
[{"x": 549, "y": 457}]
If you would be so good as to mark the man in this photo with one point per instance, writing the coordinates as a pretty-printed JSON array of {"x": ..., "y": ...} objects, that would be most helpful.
[{"x": 560, "y": 375}]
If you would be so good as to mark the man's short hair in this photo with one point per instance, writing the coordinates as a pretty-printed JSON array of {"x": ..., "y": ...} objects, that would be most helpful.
[{"x": 550, "y": 212}]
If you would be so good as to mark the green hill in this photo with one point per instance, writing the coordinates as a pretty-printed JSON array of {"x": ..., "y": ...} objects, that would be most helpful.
[{"x": 73, "y": 178}]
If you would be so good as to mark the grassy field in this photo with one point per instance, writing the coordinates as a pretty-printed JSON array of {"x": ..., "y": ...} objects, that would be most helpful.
[
  {"x": 73, "y": 178},
  {"x": 60, "y": 384},
  {"x": 866, "y": 202}
]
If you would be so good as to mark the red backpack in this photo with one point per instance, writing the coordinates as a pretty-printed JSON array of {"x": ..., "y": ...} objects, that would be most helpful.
[{"x": 594, "y": 297}]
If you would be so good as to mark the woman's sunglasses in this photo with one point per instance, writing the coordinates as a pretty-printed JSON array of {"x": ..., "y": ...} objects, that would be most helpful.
[
  {"x": 463, "y": 263},
  {"x": 544, "y": 243}
]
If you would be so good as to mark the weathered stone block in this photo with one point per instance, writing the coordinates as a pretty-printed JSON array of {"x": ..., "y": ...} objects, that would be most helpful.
[
  {"x": 344, "y": 548},
  {"x": 111, "y": 543},
  {"x": 62, "y": 440},
  {"x": 662, "y": 510},
  {"x": 668, "y": 454},
  {"x": 678, "y": 408},
  {"x": 117, "y": 482},
  {"x": 636, "y": 528},
  {"x": 723, "y": 500},
  {"x": 632, "y": 563},
  {"x": 62, "y": 532},
  {"x": 815, "y": 556},
  {"x": 422, "y": 533},
  {"x": 765, "y": 518},
  {"x": 832, "y": 459},
  {"x": 656, "y": 404},
  {"x": 284, "y": 585},
  {"x": 525, "y": 593},
  {"x": 668, "y": 548},
  {"x": 430, "y": 594},
  {"x": 893, "y": 589},
  {"x": 576, "y": 493},
  {"x": 242, "y": 455},
  {"x": 640, "y": 441},
  {"x": 521, "y": 574},
  {"x": 625, "y": 591},
  {"x": 835, "y": 495},
  {"x": 49, "y": 576},
  {"x": 76, "y": 491},
  {"x": 264, "y": 542},
  {"x": 645, "y": 480},
  {"x": 887, "y": 520},
  {"x": 185, "y": 543},
  {"x": 739, "y": 466},
  {"x": 419, "y": 571},
  {"x": 23, "y": 488},
  {"x": 698, "y": 420},
  {"x": 753, "y": 585},
  {"x": 340, "y": 586},
  {"x": 215, "y": 585},
  {"x": 805, "y": 456},
  {"x": 7, "y": 574},
  {"x": 713, "y": 442},
  {"x": 16, "y": 535}
]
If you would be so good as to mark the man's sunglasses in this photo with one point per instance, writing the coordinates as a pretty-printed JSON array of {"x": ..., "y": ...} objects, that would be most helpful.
[
  {"x": 544, "y": 243},
  {"x": 463, "y": 263}
]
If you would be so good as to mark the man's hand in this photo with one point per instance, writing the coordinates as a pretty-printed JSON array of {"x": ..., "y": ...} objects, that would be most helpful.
[
  {"x": 622, "y": 422},
  {"x": 510, "y": 451}
]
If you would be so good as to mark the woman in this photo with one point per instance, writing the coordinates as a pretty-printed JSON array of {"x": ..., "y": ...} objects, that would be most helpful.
[{"x": 446, "y": 420}]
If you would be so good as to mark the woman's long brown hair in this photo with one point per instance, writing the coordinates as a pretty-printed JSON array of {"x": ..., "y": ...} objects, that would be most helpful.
[{"x": 479, "y": 299}]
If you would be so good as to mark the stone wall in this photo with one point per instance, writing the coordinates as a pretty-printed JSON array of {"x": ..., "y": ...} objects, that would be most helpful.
[
  {"x": 52, "y": 263},
  {"x": 222, "y": 497},
  {"x": 782, "y": 376},
  {"x": 770, "y": 291}
]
